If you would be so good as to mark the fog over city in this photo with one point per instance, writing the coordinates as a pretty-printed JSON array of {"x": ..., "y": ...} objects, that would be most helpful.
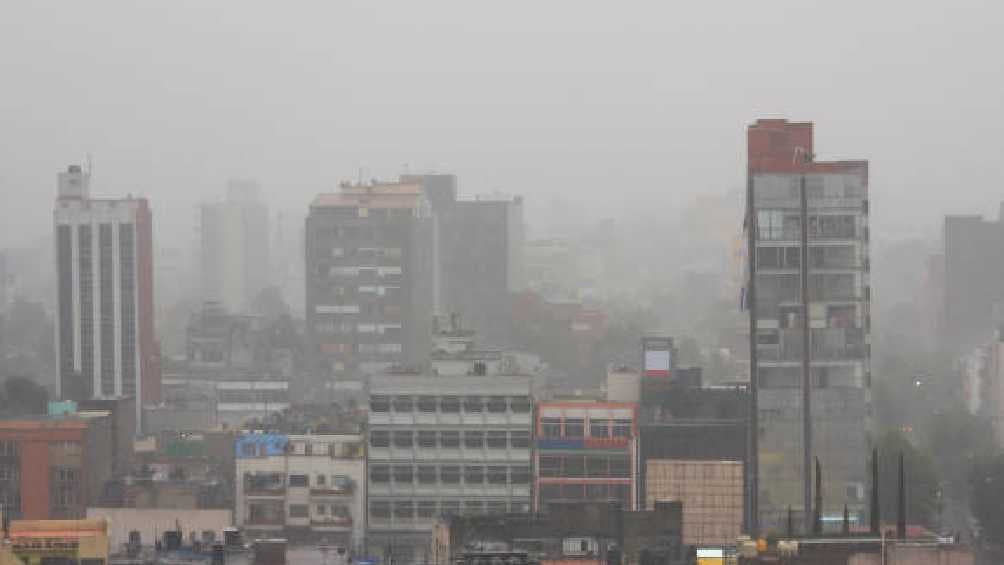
[{"x": 513, "y": 283}]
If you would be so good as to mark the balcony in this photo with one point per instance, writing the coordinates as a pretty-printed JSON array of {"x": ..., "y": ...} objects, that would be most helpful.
[
  {"x": 332, "y": 491},
  {"x": 331, "y": 521}
]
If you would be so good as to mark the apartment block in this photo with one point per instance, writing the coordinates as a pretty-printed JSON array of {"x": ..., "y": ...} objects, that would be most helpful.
[
  {"x": 586, "y": 450},
  {"x": 782, "y": 158},
  {"x": 53, "y": 468},
  {"x": 445, "y": 445},
  {"x": 104, "y": 301},
  {"x": 973, "y": 266},
  {"x": 302, "y": 487},
  {"x": 370, "y": 275}
]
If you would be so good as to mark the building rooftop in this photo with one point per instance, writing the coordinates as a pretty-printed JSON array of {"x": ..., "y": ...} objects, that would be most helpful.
[{"x": 376, "y": 195}]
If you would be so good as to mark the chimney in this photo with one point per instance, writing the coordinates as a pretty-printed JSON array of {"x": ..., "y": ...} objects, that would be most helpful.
[
  {"x": 876, "y": 515},
  {"x": 817, "y": 516},
  {"x": 901, "y": 507}
]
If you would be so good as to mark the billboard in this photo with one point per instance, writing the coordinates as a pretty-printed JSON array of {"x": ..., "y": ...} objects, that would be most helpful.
[{"x": 657, "y": 356}]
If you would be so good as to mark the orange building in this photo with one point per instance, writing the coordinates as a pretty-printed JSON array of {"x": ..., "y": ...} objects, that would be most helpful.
[{"x": 53, "y": 467}]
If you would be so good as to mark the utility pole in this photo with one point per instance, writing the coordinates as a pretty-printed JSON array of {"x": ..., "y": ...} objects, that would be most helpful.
[{"x": 806, "y": 363}]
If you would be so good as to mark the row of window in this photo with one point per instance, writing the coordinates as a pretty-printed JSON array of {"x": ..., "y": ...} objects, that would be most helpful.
[
  {"x": 500, "y": 475},
  {"x": 450, "y": 439},
  {"x": 451, "y": 404},
  {"x": 333, "y": 510},
  {"x": 409, "y": 509},
  {"x": 592, "y": 491},
  {"x": 271, "y": 481},
  {"x": 576, "y": 427},
  {"x": 596, "y": 466}
]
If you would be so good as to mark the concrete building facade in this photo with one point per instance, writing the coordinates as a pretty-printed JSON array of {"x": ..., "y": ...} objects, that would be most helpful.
[
  {"x": 973, "y": 265},
  {"x": 105, "y": 341},
  {"x": 302, "y": 487},
  {"x": 53, "y": 468},
  {"x": 586, "y": 451},
  {"x": 370, "y": 278},
  {"x": 781, "y": 157},
  {"x": 445, "y": 445}
]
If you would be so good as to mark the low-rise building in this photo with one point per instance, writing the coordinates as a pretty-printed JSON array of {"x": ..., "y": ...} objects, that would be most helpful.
[
  {"x": 302, "y": 487},
  {"x": 586, "y": 450},
  {"x": 575, "y": 533},
  {"x": 54, "y": 467},
  {"x": 444, "y": 445},
  {"x": 42, "y": 542}
]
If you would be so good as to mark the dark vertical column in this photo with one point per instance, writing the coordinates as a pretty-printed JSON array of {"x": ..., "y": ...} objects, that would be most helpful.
[
  {"x": 753, "y": 429},
  {"x": 806, "y": 362},
  {"x": 106, "y": 269},
  {"x": 64, "y": 265},
  {"x": 876, "y": 516},
  {"x": 85, "y": 268},
  {"x": 901, "y": 506}
]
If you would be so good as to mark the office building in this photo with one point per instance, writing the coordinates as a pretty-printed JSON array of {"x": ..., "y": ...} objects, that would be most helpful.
[
  {"x": 54, "y": 467},
  {"x": 302, "y": 487},
  {"x": 479, "y": 255},
  {"x": 782, "y": 158},
  {"x": 234, "y": 237},
  {"x": 445, "y": 445},
  {"x": 104, "y": 303},
  {"x": 973, "y": 266},
  {"x": 370, "y": 275},
  {"x": 586, "y": 450}
]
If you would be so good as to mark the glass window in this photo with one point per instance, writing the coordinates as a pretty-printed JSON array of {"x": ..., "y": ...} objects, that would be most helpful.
[
  {"x": 519, "y": 440},
  {"x": 380, "y": 438},
  {"x": 620, "y": 466},
  {"x": 622, "y": 428},
  {"x": 427, "y": 438},
  {"x": 474, "y": 475},
  {"x": 404, "y": 509},
  {"x": 298, "y": 480},
  {"x": 473, "y": 507},
  {"x": 497, "y": 475},
  {"x": 427, "y": 404},
  {"x": 550, "y": 427},
  {"x": 496, "y": 404},
  {"x": 403, "y": 404},
  {"x": 596, "y": 492},
  {"x": 322, "y": 509},
  {"x": 449, "y": 404},
  {"x": 379, "y": 404},
  {"x": 472, "y": 404},
  {"x": 495, "y": 507},
  {"x": 426, "y": 474},
  {"x": 449, "y": 474},
  {"x": 321, "y": 480},
  {"x": 520, "y": 404},
  {"x": 519, "y": 475},
  {"x": 403, "y": 474},
  {"x": 426, "y": 508},
  {"x": 597, "y": 466},
  {"x": 299, "y": 511},
  {"x": 474, "y": 440},
  {"x": 573, "y": 466},
  {"x": 496, "y": 440},
  {"x": 550, "y": 466},
  {"x": 550, "y": 492},
  {"x": 573, "y": 492},
  {"x": 599, "y": 428},
  {"x": 449, "y": 439},
  {"x": 575, "y": 427},
  {"x": 403, "y": 439},
  {"x": 449, "y": 508},
  {"x": 379, "y": 473},
  {"x": 380, "y": 509}
]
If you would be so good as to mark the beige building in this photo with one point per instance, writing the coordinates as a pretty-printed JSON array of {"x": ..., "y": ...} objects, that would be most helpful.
[{"x": 711, "y": 493}]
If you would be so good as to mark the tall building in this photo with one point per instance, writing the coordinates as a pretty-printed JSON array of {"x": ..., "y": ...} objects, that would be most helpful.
[
  {"x": 444, "y": 446},
  {"x": 479, "y": 255},
  {"x": 781, "y": 158},
  {"x": 973, "y": 267},
  {"x": 104, "y": 265},
  {"x": 235, "y": 247},
  {"x": 370, "y": 265}
]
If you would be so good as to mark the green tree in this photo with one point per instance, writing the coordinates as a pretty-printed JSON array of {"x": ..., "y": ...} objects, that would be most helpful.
[
  {"x": 23, "y": 397},
  {"x": 986, "y": 482},
  {"x": 921, "y": 480},
  {"x": 957, "y": 438}
]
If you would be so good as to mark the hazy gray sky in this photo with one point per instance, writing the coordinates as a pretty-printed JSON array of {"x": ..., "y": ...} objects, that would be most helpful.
[{"x": 623, "y": 104}]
